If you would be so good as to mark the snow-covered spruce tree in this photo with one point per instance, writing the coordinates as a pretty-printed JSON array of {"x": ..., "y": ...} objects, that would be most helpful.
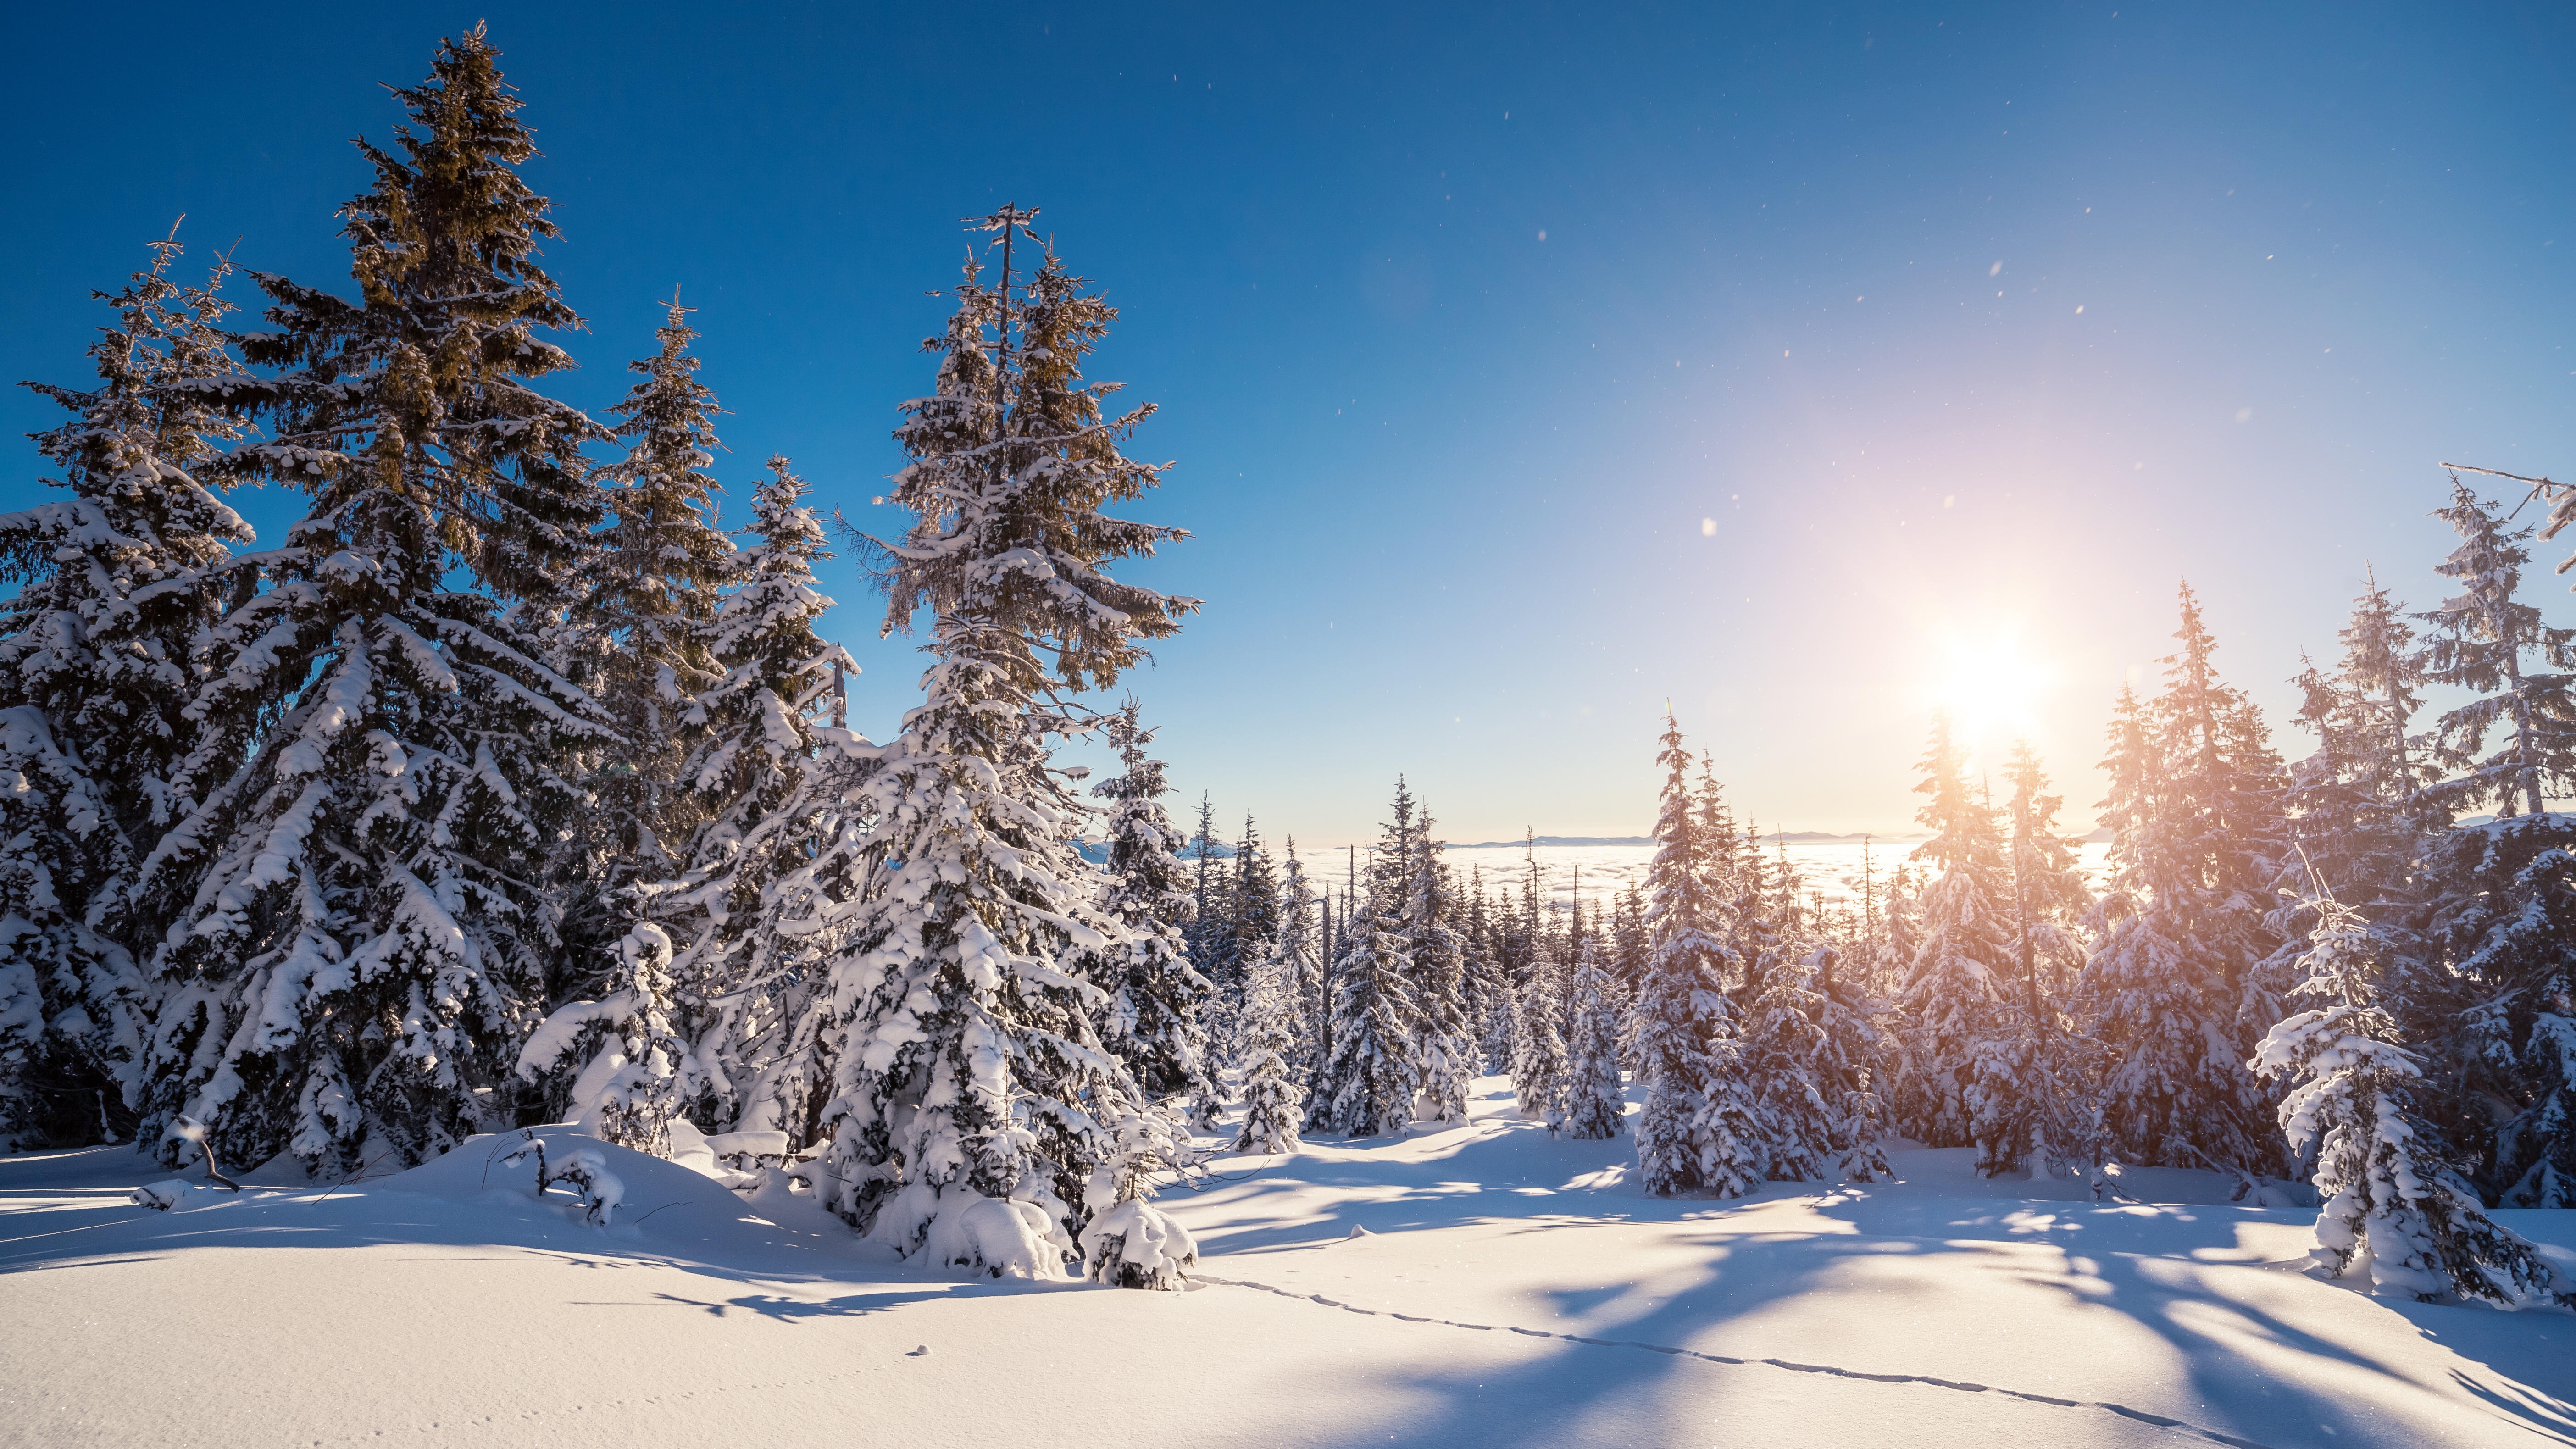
[
  {"x": 617, "y": 1065},
  {"x": 1210, "y": 931},
  {"x": 119, "y": 579},
  {"x": 1846, "y": 1070},
  {"x": 1593, "y": 1104},
  {"x": 1490, "y": 995},
  {"x": 1302, "y": 950},
  {"x": 1519, "y": 934},
  {"x": 2495, "y": 990},
  {"x": 2393, "y": 1196},
  {"x": 1374, "y": 1072},
  {"x": 1695, "y": 1130},
  {"x": 975, "y": 1113},
  {"x": 1154, "y": 995},
  {"x": 648, "y": 592},
  {"x": 2177, "y": 935},
  {"x": 1540, "y": 1070},
  {"x": 2502, "y": 932},
  {"x": 1254, "y": 897},
  {"x": 2043, "y": 1063},
  {"x": 1273, "y": 1100},
  {"x": 1629, "y": 953},
  {"x": 1787, "y": 1057},
  {"x": 2355, "y": 807},
  {"x": 1900, "y": 933},
  {"x": 1210, "y": 935},
  {"x": 380, "y": 773},
  {"x": 2481, "y": 641},
  {"x": 767, "y": 768},
  {"x": 1957, "y": 995},
  {"x": 1444, "y": 1034}
]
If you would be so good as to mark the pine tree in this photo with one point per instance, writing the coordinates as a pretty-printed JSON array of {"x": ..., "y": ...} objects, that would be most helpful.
[
  {"x": 2354, "y": 806},
  {"x": 2480, "y": 642},
  {"x": 1443, "y": 1032},
  {"x": 1211, "y": 931},
  {"x": 1152, "y": 1021},
  {"x": 1847, "y": 1072},
  {"x": 120, "y": 578},
  {"x": 1519, "y": 933},
  {"x": 648, "y": 592},
  {"x": 768, "y": 768},
  {"x": 1957, "y": 998},
  {"x": 1786, "y": 1053},
  {"x": 975, "y": 1112},
  {"x": 382, "y": 770},
  {"x": 2181, "y": 929},
  {"x": 1252, "y": 899},
  {"x": 2044, "y": 1065},
  {"x": 1488, "y": 977},
  {"x": 2502, "y": 941},
  {"x": 1374, "y": 1072},
  {"x": 1542, "y": 1072},
  {"x": 1694, "y": 1130},
  {"x": 1629, "y": 954},
  {"x": 2393, "y": 1196},
  {"x": 2495, "y": 988},
  {"x": 1593, "y": 1102},
  {"x": 1273, "y": 1099}
]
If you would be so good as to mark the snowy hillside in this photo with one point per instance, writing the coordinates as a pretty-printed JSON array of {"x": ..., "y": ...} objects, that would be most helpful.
[{"x": 1479, "y": 1285}]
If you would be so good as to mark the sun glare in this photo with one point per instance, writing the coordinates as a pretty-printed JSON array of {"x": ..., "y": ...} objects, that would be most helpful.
[{"x": 1991, "y": 690}]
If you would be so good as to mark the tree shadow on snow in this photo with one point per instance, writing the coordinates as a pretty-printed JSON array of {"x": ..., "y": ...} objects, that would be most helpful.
[{"x": 2112, "y": 1259}]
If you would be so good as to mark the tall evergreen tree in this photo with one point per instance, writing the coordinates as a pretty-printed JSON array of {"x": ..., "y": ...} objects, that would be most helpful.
[
  {"x": 1488, "y": 975},
  {"x": 2482, "y": 641},
  {"x": 2182, "y": 926},
  {"x": 768, "y": 764},
  {"x": 2043, "y": 1065},
  {"x": 2354, "y": 806},
  {"x": 975, "y": 1111},
  {"x": 1211, "y": 926},
  {"x": 1273, "y": 1097},
  {"x": 2392, "y": 1194},
  {"x": 1629, "y": 954},
  {"x": 120, "y": 578},
  {"x": 1787, "y": 1057},
  {"x": 1691, "y": 1133},
  {"x": 382, "y": 771},
  {"x": 1443, "y": 1033},
  {"x": 1154, "y": 995},
  {"x": 1541, "y": 1074},
  {"x": 1252, "y": 898},
  {"x": 1375, "y": 1070},
  {"x": 1847, "y": 1071},
  {"x": 1593, "y": 1102},
  {"x": 2502, "y": 943},
  {"x": 1957, "y": 996},
  {"x": 648, "y": 591},
  {"x": 2497, "y": 982}
]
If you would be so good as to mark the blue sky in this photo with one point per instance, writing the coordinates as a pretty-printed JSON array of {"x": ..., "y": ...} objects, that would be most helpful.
[{"x": 1525, "y": 366}]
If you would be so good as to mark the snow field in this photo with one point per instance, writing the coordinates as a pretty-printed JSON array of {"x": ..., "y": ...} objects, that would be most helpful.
[{"x": 1502, "y": 1289}]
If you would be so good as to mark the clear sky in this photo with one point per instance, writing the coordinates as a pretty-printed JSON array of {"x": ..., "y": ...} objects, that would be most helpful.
[{"x": 1525, "y": 366}]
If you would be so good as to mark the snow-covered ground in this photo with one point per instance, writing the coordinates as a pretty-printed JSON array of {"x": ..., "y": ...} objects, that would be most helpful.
[{"x": 1479, "y": 1285}]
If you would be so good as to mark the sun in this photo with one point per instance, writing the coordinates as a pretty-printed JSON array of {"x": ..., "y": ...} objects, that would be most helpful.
[{"x": 1991, "y": 689}]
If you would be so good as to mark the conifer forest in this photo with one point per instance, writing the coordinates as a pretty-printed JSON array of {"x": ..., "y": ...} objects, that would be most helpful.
[{"x": 491, "y": 868}]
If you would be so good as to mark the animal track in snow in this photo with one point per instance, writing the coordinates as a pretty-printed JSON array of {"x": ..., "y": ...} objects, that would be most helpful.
[{"x": 2123, "y": 1410}]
